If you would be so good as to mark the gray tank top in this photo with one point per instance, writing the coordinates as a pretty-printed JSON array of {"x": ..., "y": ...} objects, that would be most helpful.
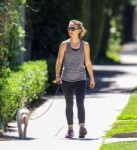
[{"x": 73, "y": 64}]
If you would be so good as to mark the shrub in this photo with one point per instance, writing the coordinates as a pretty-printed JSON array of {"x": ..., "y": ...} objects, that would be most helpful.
[
  {"x": 30, "y": 82},
  {"x": 51, "y": 72}
]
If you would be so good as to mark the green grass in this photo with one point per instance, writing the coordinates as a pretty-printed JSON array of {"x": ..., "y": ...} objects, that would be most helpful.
[
  {"x": 110, "y": 59},
  {"x": 113, "y": 55},
  {"x": 120, "y": 146},
  {"x": 125, "y": 123},
  {"x": 122, "y": 126},
  {"x": 130, "y": 111},
  {"x": 135, "y": 90}
]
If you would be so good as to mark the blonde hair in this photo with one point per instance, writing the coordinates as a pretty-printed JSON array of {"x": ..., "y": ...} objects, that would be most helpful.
[{"x": 79, "y": 24}]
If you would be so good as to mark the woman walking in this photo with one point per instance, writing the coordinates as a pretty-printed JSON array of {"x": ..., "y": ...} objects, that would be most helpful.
[{"x": 74, "y": 53}]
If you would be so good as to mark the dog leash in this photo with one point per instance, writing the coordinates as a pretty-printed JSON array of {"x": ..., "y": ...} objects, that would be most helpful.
[{"x": 49, "y": 106}]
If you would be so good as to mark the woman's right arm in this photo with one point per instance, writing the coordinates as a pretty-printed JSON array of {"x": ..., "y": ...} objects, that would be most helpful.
[{"x": 59, "y": 61}]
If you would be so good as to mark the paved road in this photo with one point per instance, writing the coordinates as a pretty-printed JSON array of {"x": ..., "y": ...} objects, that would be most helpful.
[{"x": 103, "y": 104}]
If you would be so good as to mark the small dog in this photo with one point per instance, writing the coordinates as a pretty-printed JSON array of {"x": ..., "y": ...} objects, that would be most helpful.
[{"x": 22, "y": 118}]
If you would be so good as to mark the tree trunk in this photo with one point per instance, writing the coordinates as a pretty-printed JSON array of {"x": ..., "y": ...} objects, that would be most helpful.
[{"x": 97, "y": 26}]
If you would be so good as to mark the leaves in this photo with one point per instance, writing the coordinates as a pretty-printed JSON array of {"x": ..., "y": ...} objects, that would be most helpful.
[
  {"x": 11, "y": 32},
  {"x": 30, "y": 81}
]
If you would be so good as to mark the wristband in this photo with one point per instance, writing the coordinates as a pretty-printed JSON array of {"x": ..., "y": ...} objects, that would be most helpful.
[{"x": 57, "y": 76}]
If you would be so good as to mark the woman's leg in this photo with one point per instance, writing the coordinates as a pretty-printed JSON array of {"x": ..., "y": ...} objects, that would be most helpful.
[
  {"x": 80, "y": 89},
  {"x": 68, "y": 90}
]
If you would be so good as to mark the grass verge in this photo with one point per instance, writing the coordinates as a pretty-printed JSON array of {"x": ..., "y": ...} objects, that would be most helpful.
[
  {"x": 122, "y": 126},
  {"x": 119, "y": 146},
  {"x": 125, "y": 123},
  {"x": 130, "y": 111}
]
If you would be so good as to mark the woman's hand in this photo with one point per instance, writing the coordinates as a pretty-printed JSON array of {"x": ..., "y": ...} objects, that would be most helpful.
[
  {"x": 92, "y": 83},
  {"x": 58, "y": 80}
]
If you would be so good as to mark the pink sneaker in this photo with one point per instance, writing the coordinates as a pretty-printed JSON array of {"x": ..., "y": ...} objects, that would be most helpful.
[
  {"x": 69, "y": 134},
  {"x": 82, "y": 132}
]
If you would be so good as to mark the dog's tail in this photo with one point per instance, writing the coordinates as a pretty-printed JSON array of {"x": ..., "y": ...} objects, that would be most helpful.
[{"x": 22, "y": 101}]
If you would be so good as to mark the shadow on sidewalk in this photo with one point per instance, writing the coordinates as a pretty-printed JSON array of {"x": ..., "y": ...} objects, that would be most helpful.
[
  {"x": 14, "y": 138},
  {"x": 104, "y": 82},
  {"x": 12, "y": 129},
  {"x": 81, "y": 139}
]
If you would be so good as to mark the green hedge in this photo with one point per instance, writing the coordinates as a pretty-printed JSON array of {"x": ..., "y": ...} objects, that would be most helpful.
[
  {"x": 51, "y": 72},
  {"x": 30, "y": 81}
]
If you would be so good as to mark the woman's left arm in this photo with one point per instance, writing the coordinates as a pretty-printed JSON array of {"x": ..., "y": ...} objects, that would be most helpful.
[{"x": 88, "y": 64}]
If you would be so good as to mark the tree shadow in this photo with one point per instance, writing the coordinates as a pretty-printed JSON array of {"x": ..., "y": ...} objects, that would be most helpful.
[
  {"x": 14, "y": 138},
  {"x": 102, "y": 86},
  {"x": 7, "y": 137}
]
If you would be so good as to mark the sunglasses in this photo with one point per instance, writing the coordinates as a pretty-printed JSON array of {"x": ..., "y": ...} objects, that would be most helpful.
[{"x": 72, "y": 28}]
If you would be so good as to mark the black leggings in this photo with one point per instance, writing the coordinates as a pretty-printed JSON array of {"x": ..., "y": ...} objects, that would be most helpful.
[{"x": 80, "y": 89}]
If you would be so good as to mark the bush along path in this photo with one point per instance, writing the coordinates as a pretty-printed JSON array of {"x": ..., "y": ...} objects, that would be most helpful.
[{"x": 29, "y": 81}]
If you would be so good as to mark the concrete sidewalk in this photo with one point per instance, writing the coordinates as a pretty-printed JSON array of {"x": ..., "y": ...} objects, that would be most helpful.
[{"x": 103, "y": 105}]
